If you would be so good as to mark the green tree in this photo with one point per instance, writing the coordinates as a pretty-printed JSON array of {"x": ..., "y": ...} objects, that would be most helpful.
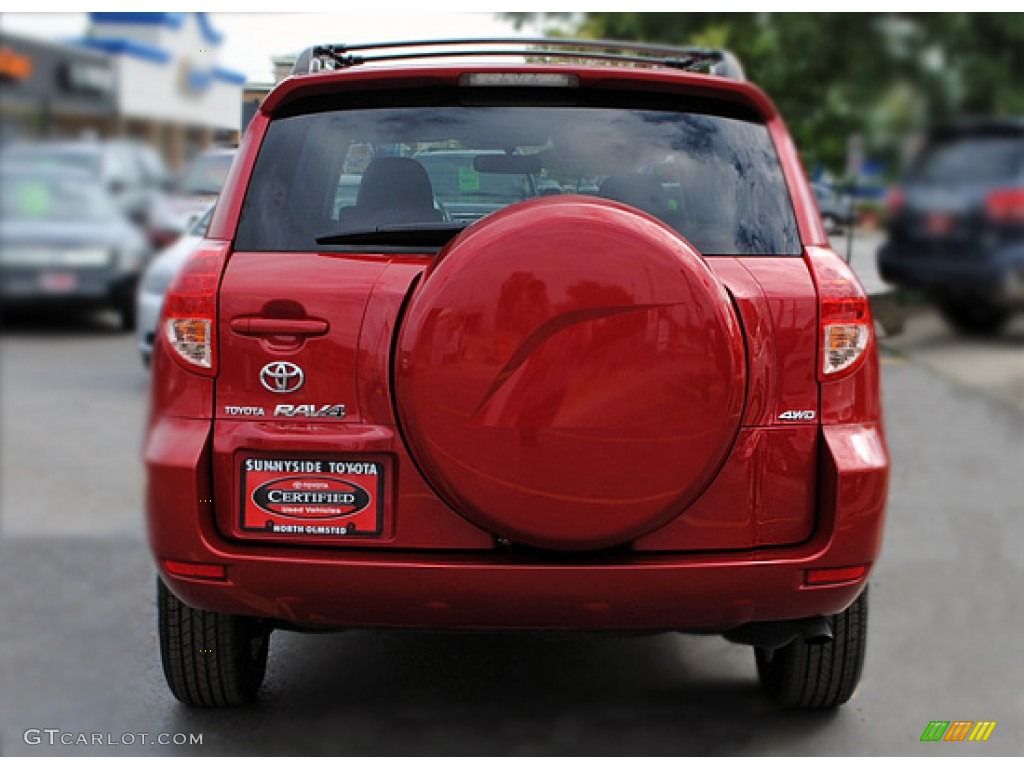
[{"x": 833, "y": 75}]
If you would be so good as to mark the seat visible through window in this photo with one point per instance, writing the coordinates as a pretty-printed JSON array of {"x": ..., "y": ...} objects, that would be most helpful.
[{"x": 394, "y": 190}]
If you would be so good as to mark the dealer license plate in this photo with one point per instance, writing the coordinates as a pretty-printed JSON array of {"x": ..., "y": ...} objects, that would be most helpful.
[{"x": 312, "y": 498}]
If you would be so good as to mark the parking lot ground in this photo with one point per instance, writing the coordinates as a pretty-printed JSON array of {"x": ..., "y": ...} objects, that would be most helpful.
[
  {"x": 78, "y": 647},
  {"x": 994, "y": 366}
]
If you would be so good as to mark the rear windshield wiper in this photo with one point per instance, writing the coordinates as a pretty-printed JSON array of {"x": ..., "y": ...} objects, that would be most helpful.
[{"x": 422, "y": 233}]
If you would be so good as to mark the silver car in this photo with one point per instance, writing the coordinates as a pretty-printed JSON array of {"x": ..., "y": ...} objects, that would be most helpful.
[
  {"x": 132, "y": 172},
  {"x": 157, "y": 279},
  {"x": 64, "y": 243},
  {"x": 196, "y": 190}
]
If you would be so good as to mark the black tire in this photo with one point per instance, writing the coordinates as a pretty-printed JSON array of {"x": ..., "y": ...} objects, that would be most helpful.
[
  {"x": 802, "y": 675},
  {"x": 832, "y": 224},
  {"x": 210, "y": 659},
  {"x": 127, "y": 314},
  {"x": 974, "y": 317}
]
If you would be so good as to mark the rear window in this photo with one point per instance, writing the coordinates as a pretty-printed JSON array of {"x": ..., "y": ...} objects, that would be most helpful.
[
  {"x": 971, "y": 160},
  {"x": 714, "y": 179}
]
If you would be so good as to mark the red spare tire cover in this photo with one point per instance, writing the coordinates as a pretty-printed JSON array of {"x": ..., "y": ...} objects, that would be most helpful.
[{"x": 569, "y": 374}]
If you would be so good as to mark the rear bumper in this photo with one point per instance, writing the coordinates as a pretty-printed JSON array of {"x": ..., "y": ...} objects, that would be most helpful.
[
  {"x": 358, "y": 590},
  {"x": 86, "y": 287},
  {"x": 708, "y": 592}
]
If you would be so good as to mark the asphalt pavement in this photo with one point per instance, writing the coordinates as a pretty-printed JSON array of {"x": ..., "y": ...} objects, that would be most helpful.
[{"x": 78, "y": 648}]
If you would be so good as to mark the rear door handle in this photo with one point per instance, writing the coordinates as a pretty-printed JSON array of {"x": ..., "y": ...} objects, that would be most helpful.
[{"x": 278, "y": 326}]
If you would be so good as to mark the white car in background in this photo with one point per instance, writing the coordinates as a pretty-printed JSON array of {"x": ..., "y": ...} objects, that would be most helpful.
[{"x": 157, "y": 279}]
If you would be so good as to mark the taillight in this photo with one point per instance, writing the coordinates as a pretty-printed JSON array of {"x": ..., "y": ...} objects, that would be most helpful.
[
  {"x": 844, "y": 314},
  {"x": 189, "y": 317},
  {"x": 1006, "y": 206},
  {"x": 894, "y": 200}
]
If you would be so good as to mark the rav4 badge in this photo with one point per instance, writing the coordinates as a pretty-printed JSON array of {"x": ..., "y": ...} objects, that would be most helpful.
[{"x": 311, "y": 411}]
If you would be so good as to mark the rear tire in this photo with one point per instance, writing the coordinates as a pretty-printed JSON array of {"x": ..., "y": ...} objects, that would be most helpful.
[
  {"x": 210, "y": 659},
  {"x": 974, "y": 318},
  {"x": 802, "y": 675}
]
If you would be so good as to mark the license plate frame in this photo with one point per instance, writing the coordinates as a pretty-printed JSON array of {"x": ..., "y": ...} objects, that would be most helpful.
[
  {"x": 940, "y": 224},
  {"x": 311, "y": 499}
]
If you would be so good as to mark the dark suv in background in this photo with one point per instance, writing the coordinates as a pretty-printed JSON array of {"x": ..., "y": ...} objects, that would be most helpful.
[{"x": 956, "y": 225}]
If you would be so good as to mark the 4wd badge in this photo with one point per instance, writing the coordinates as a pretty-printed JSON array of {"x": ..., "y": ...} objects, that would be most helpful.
[{"x": 797, "y": 416}]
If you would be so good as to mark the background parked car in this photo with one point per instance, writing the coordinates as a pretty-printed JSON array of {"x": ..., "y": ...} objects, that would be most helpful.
[
  {"x": 132, "y": 172},
  {"x": 470, "y": 185},
  {"x": 194, "y": 192},
  {"x": 157, "y": 279},
  {"x": 63, "y": 241},
  {"x": 956, "y": 225},
  {"x": 836, "y": 208}
]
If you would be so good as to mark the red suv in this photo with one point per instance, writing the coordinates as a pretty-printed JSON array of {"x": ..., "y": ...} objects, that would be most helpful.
[{"x": 634, "y": 390}]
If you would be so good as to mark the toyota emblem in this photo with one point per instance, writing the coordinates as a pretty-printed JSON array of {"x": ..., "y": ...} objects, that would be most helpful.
[{"x": 281, "y": 377}]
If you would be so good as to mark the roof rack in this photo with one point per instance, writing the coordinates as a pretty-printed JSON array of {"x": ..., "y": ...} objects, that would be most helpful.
[{"x": 341, "y": 56}]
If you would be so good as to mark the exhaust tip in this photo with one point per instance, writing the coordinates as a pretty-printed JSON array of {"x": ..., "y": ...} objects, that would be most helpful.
[{"x": 817, "y": 631}]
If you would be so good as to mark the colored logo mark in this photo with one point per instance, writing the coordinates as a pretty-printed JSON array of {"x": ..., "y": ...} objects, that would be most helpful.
[{"x": 958, "y": 730}]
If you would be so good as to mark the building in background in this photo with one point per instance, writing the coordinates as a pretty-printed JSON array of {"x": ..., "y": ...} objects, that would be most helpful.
[
  {"x": 153, "y": 76},
  {"x": 255, "y": 93},
  {"x": 54, "y": 89},
  {"x": 172, "y": 90}
]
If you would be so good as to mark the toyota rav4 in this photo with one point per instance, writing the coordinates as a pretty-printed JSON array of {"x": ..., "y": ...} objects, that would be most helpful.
[{"x": 641, "y": 396}]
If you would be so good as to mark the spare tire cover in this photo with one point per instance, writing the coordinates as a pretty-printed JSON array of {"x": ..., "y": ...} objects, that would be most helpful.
[{"x": 569, "y": 374}]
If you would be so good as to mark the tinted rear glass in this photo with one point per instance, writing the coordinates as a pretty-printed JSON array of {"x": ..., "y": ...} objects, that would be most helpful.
[
  {"x": 971, "y": 160},
  {"x": 454, "y": 178},
  {"x": 714, "y": 179}
]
